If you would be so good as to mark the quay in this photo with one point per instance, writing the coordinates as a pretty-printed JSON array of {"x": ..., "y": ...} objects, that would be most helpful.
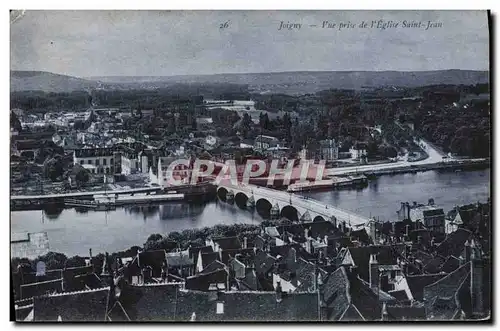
[{"x": 202, "y": 191}]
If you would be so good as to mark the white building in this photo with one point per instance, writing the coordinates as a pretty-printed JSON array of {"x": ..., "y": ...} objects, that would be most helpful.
[
  {"x": 329, "y": 150},
  {"x": 102, "y": 159},
  {"x": 163, "y": 174},
  {"x": 358, "y": 151}
]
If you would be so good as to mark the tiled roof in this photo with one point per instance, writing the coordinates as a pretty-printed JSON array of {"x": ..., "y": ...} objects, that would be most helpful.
[
  {"x": 434, "y": 265},
  {"x": 201, "y": 282},
  {"x": 406, "y": 313},
  {"x": 179, "y": 259},
  {"x": 227, "y": 254},
  {"x": 41, "y": 288},
  {"x": 166, "y": 302},
  {"x": 22, "y": 312},
  {"x": 451, "y": 264},
  {"x": 153, "y": 259},
  {"x": 399, "y": 295},
  {"x": 193, "y": 252},
  {"x": 88, "y": 305},
  {"x": 361, "y": 257},
  {"x": 454, "y": 243},
  {"x": 416, "y": 283},
  {"x": 207, "y": 258},
  {"x": 441, "y": 297},
  {"x": 250, "y": 282},
  {"x": 263, "y": 262},
  {"x": 228, "y": 242},
  {"x": 215, "y": 265}
]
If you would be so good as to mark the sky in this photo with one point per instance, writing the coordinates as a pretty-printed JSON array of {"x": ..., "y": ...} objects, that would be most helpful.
[{"x": 166, "y": 43}]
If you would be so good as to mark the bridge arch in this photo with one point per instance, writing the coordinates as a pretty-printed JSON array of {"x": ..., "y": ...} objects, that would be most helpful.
[
  {"x": 319, "y": 218},
  {"x": 241, "y": 200},
  {"x": 263, "y": 207},
  {"x": 290, "y": 212},
  {"x": 221, "y": 193}
]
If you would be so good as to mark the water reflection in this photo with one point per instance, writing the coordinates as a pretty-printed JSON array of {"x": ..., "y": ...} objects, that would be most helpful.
[{"x": 78, "y": 229}]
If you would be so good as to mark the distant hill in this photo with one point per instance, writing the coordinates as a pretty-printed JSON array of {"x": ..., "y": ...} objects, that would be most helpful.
[
  {"x": 313, "y": 81},
  {"x": 280, "y": 82},
  {"x": 47, "y": 81}
]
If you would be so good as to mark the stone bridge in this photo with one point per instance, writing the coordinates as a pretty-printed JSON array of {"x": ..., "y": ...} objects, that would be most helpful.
[{"x": 292, "y": 206}]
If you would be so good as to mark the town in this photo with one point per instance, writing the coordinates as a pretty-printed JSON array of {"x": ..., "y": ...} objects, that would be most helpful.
[
  {"x": 300, "y": 267},
  {"x": 205, "y": 192}
]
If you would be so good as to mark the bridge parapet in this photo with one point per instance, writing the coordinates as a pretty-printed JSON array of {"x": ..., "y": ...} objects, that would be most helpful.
[{"x": 300, "y": 203}]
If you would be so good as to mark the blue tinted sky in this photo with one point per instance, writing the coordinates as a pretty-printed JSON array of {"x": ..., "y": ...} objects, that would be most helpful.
[{"x": 102, "y": 43}]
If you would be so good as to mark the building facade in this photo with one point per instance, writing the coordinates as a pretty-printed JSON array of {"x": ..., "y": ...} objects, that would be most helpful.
[
  {"x": 329, "y": 150},
  {"x": 102, "y": 159}
]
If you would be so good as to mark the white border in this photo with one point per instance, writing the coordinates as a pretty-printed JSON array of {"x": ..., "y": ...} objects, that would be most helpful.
[{"x": 189, "y": 4}]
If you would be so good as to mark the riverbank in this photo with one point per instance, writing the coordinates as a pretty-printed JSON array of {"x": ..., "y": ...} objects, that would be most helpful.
[{"x": 74, "y": 231}]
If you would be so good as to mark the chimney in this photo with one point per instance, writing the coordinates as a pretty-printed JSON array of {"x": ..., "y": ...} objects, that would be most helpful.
[
  {"x": 372, "y": 232},
  {"x": 467, "y": 251},
  {"x": 245, "y": 242},
  {"x": 374, "y": 273},
  {"x": 476, "y": 280},
  {"x": 407, "y": 230},
  {"x": 431, "y": 202},
  {"x": 334, "y": 221},
  {"x": 353, "y": 270},
  {"x": 293, "y": 254},
  {"x": 343, "y": 227},
  {"x": 279, "y": 293},
  {"x": 308, "y": 246},
  {"x": 385, "y": 314}
]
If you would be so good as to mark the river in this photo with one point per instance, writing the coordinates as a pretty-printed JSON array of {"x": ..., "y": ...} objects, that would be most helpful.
[{"x": 73, "y": 232}]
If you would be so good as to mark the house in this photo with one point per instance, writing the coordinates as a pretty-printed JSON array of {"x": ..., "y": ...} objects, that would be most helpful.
[
  {"x": 432, "y": 217},
  {"x": 329, "y": 150},
  {"x": 358, "y": 151},
  {"x": 82, "y": 306},
  {"x": 346, "y": 298},
  {"x": 102, "y": 159},
  {"x": 224, "y": 243},
  {"x": 166, "y": 173},
  {"x": 262, "y": 142},
  {"x": 180, "y": 263},
  {"x": 29, "y": 245},
  {"x": 172, "y": 302}
]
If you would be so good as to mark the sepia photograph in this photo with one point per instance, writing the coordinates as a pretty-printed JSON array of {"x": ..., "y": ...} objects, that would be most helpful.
[{"x": 250, "y": 166}]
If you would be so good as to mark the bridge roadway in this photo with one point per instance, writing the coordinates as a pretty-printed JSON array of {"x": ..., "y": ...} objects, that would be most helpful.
[{"x": 300, "y": 203}]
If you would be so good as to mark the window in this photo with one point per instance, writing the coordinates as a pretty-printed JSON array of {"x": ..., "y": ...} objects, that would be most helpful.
[
  {"x": 81, "y": 162},
  {"x": 104, "y": 161},
  {"x": 111, "y": 161},
  {"x": 220, "y": 307},
  {"x": 89, "y": 162},
  {"x": 97, "y": 162}
]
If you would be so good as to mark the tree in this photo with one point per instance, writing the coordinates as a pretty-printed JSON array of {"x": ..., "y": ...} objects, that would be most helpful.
[
  {"x": 155, "y": 237},
  {"x": 52, "y": 260},
  {"x": 264, "y": 122},
  {"x": 53, "y": 168},
  {"x": 15, "y": 123},
  {"x": 81, "y": 174}
]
